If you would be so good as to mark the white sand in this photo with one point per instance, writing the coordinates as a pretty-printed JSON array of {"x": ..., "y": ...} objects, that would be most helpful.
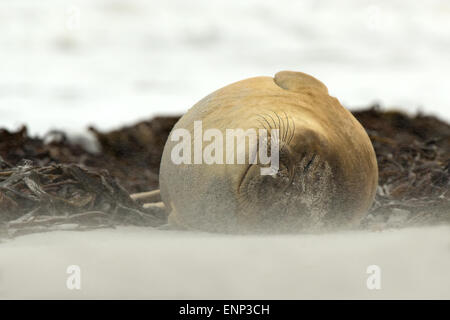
[{"x": 143, "y": 263}]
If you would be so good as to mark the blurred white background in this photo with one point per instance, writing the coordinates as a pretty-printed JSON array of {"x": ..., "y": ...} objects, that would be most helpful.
[{"x": 68, "y": 64}]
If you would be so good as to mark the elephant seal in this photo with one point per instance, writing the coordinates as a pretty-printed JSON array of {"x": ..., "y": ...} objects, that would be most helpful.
[{"x": 327, "y": 173}]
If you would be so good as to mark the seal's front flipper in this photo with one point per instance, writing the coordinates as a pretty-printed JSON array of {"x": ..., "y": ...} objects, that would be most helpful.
[
  {"x": 156, "y": 210},
  {"x": 298, "y": 82},
  {"x": 151, "y": 202},
  {"x": 154, "y": 205},
  {"x": 149, "y": 196}
]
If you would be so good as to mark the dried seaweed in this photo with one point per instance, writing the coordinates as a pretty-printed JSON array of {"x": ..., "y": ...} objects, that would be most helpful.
[
  {"x": 413, "y": 155},
  {"x": 44, "y": 198},
  {"x": 131, "y": 154}
]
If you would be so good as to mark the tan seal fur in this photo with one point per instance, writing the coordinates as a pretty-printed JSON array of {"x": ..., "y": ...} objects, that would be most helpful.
[{"x": 328, "y": 170}]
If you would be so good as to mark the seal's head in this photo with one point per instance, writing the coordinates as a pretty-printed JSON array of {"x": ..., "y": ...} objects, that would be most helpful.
[{"x": 327, "y": 173}]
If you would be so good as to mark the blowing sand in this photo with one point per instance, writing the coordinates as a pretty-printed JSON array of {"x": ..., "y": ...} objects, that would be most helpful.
[{"x": 141, "y": 263}]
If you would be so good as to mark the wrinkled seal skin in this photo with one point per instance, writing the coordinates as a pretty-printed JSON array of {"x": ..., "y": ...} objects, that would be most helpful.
[{"x": 328, "y": 171}]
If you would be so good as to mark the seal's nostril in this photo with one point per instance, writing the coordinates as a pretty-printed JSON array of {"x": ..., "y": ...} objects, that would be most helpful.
[{"x": 308, "y": 165}]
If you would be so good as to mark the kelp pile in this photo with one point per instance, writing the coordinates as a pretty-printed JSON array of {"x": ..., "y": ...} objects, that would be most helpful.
[
  {"x": 55, "y": 184},
  {"x": 413, "y": 155},
  {"x": 66, "y": 197}
]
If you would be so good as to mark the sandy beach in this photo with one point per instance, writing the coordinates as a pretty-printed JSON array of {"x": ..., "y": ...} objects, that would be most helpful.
[{"x": 140, "y": 263}]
